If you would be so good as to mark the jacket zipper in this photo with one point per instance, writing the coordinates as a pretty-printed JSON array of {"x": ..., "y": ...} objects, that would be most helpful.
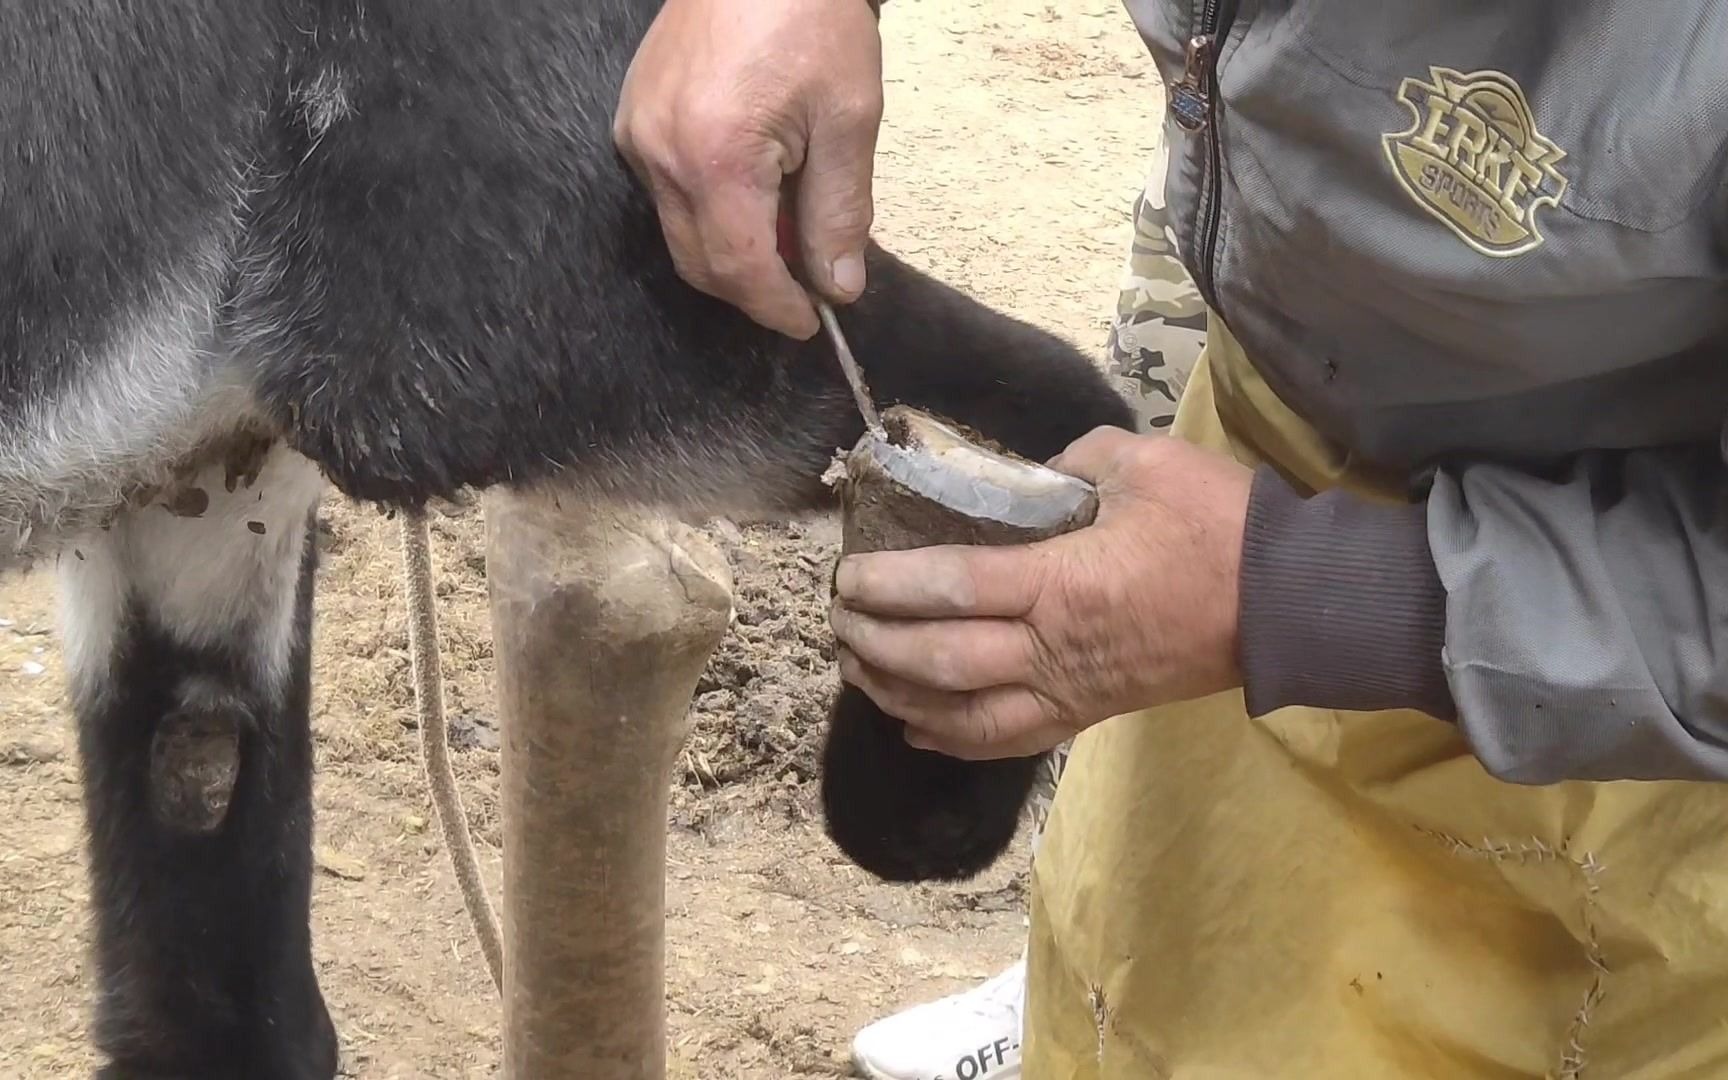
[{"x": 1194, "y": 101}]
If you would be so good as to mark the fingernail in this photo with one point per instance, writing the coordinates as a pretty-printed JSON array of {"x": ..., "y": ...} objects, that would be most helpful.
[
  {"x": 846, "y": 577},
  {"x": 848, "y": 274}
]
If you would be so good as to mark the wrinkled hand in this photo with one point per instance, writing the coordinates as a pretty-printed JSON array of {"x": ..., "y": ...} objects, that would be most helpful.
[
  {"x": 724, "y": 100},
  {"x": 999, "y": 652}
]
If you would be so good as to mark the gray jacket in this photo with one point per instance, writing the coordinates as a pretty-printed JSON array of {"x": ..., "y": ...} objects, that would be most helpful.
[{"x": 1484, "y": 246}]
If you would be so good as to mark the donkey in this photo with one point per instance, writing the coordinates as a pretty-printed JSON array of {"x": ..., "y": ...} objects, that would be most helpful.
[{"x": 250, "y": 249}]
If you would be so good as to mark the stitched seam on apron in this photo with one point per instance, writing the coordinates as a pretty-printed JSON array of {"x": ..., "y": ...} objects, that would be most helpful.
[{"x": 1535, "y": 850}]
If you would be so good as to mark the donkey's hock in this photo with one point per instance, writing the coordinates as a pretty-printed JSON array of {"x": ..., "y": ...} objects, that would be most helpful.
[{"x": 248, "y": 247}]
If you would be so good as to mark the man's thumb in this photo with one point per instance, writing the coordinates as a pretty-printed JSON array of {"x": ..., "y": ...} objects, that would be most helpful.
[
  {"x": 834, "y": 208},
  {"x": 1093, "y": 455}
]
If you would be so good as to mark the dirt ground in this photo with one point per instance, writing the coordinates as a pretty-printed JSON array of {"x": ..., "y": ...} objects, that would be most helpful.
[{"x": 1017, "y": 135}]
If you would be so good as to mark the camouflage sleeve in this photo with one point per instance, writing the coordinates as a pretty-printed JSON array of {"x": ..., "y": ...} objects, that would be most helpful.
[{"x": 1159, "y": 323}]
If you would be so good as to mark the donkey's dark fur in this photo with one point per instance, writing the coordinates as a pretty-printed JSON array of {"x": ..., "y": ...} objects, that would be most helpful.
[{"x": 248, "y": 245}]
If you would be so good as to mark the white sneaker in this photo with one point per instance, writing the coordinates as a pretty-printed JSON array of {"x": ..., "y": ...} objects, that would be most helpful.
[{"x": 972, "y": 1035}]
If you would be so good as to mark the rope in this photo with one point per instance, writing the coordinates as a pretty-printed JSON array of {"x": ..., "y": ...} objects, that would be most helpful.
[{"x": 435, "y": 739}]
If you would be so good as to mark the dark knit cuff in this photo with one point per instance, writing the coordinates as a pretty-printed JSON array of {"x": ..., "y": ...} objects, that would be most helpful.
[{"x": 1341, "y": 605}]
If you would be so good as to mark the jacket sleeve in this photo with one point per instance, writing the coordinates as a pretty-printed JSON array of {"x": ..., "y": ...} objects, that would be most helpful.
[{"x": 1573, "y": 623}]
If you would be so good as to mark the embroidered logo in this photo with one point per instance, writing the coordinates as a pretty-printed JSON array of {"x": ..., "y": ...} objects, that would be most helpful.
[{"x": 1474, "y": 159}]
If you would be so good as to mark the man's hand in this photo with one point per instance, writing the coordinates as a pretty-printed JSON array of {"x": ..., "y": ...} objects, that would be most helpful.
[
  {"x": 727, "y": 98},
  {"x": 997, "y": 652}
]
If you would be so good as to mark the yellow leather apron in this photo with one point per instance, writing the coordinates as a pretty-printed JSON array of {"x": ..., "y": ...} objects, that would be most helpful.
[{"x": 1334, "y": 895}]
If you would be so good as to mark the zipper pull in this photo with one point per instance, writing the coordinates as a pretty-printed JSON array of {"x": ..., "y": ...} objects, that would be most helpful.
[{"x": 1191, "y": 98}]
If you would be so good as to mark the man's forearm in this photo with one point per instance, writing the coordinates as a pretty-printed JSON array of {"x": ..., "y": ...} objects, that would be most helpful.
[{"x": 1567, "y": 622}]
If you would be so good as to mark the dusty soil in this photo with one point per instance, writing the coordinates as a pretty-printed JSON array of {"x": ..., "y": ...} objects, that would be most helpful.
[{"x": 1017, "y": 135}]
